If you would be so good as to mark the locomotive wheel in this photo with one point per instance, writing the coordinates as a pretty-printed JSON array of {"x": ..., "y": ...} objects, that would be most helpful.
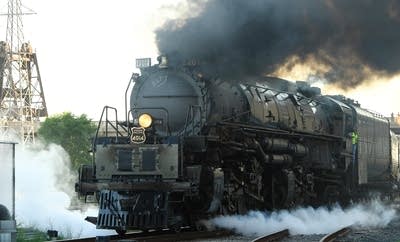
[
  {"x": 120, "y": 232},
  {"x": 177, "y": 227},
  {"x": 234, "y": 206},
  {"x": 241, "y": 205},
  {"x": 200, "y": 226},
  {"x": 331, "y": 194},
  {"x": 275, "y": 193},
  {"x": 280, "y": 196}
]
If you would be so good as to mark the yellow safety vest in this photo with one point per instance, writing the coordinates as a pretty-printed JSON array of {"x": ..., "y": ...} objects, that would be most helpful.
[{"x": 354, "y": 138}]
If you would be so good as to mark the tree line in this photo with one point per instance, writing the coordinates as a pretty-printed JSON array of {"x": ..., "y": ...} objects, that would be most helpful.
[{"x": 73, "y": 133}]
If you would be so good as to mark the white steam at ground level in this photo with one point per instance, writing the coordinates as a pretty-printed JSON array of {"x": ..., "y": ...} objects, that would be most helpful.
[
  {"x": 44, "y": 184},
  {"x": 308, "y": 220}
]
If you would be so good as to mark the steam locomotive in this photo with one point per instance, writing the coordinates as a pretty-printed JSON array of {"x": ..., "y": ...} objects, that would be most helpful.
[{"x": 195, "y": 146}]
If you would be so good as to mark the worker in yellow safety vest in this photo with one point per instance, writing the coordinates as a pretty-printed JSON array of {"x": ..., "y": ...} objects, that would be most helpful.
[{"x": 354, "y": 142}]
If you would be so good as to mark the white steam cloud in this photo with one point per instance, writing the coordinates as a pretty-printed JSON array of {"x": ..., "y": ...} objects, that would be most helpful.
[
  {"x": 308, "y": 220},
  {"x": 44, "y": 184}
]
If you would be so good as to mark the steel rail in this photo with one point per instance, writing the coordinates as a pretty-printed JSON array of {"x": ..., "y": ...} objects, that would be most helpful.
[
  {"x": 333, "y": 236},
  {"x": 155, "y": 236},
  {"x": 186, "y": 236},
  {"x": 273, "y": 237}
]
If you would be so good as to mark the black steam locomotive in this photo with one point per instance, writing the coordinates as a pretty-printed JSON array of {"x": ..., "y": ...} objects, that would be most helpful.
[{"x": 195, "y": 146}]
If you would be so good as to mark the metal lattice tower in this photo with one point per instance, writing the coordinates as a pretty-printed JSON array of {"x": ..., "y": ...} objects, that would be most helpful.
[{"x": 21, "y": 91}]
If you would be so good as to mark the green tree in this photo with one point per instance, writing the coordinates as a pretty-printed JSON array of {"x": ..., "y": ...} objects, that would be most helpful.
[{"x": 73, "y": 133}]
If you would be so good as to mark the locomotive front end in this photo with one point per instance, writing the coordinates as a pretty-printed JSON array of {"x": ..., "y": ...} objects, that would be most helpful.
[
  {"x": 141, "y": 176},
  {"x": 137, "y": 169}
]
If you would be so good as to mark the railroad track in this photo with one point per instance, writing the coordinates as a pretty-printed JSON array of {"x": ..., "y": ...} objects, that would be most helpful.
[
  {"x": 278, "y": 236},
  {"x": 155, "y": 236},
  {"x": 333, "y": 236},
  {"x": 167, "y": 235},
  {"x": 273, "y": 237}
]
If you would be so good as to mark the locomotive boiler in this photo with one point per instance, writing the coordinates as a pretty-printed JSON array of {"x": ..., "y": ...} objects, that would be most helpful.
[{"x": 194, "y": 145}]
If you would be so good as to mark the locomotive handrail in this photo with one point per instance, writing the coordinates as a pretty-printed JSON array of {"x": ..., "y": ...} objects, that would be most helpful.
[
  {"x": 108, "y": 122},
  {"x": 105, "y": 110},
  {"x": 236, "y": 116},
  {"x": 282, "y": 132},
  {"x": 376, "y": 115},
  {"x": 132, "y": 80}
]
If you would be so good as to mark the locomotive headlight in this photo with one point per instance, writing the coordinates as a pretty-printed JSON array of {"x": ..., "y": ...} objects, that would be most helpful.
[{"x": 145, "y": 120}]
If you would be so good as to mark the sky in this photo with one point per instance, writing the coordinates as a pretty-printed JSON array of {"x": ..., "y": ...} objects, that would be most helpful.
[{"x": 87, "y": 49}]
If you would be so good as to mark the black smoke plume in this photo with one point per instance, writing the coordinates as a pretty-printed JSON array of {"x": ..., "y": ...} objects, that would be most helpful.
[{"x": 235, "y": 38}]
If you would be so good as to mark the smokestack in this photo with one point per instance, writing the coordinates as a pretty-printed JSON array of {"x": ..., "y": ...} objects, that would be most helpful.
[{"x": 345, "y": 42}]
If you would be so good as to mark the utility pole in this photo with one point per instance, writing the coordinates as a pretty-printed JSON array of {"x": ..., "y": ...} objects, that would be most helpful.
[{"x": 22, "y": 101}]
